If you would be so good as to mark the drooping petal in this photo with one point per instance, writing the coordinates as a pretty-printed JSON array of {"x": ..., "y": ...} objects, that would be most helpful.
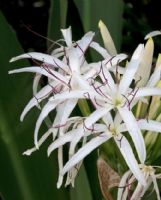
[
  {"x": 36, "y": 83},
  {"x": 134, "y": 131},
  {"x": 123, "y": 186},
  {"x": 44, "y": 113},
  {"x": 53, "y": 75},
  {"x": 45, "y": 58},
  {"x": 84, "y": 151},
  {"x": 61, "y": 141},
  {"x": 28, "y": 152},
  {"x": 129, "y": 157},
  {"x": 131, "y": 69},
  {"x": 60, "y": 164},
  {"x": 152, "y": 34},
  {"x": 41, "y": 95}
]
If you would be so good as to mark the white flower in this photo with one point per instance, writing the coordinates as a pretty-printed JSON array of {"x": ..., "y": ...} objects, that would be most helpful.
[
  {"x": 103, "y": 133},
  {"x": 149, "y": 173}
]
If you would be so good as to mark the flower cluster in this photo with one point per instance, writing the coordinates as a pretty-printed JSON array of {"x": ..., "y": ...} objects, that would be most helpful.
[{"x": 107, "y": 92}]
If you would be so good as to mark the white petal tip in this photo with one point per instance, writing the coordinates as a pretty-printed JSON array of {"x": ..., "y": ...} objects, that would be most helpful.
[
  {"x": 12, "y": 59},
  {"x": 48, "y": 153},
  {"x": 152, "y": 34},
  {"x": 37, "y": 145},
  {"x": 11, "y": 72},
  {"x": 27, "y": 153}
]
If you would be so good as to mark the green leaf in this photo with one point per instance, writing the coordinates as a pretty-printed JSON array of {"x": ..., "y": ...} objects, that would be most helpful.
[
  {"x": 21, "y": 177},
  {"x": 109, "y": 11},
  {"x": 57, "y": 18}
]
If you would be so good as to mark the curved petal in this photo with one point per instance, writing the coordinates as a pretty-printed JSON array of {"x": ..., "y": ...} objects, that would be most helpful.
[
  {"x": 152, "y": 34},
  {"x": 134, "y": 131},
  {"x": 100, "y": 50},
  {"x": 129, "y": 157},
  {"x": 45, "y": 58},
  {"x": 36, "y": 83},
  {"x": 61, "y": 141},
  {"x": 84, "y": 151},
  {"x": 42, "y": 94},
  {"x": 53, "y": 75},
  {"x": 28, "y": 152},
  {"x": 44, "y": 113},
  {"x": 123, "y": 186}
]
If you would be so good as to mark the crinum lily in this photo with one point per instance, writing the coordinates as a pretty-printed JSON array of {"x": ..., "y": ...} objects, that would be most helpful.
[{"x": 127, "y": 181}]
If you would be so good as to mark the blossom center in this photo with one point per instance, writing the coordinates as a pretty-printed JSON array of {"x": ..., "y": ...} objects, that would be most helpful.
[{"x": 148, "y": 169}]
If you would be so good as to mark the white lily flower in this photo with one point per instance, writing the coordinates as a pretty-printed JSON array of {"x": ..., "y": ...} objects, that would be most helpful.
[
  {"x": 105, "y": 132},
  {"x": 149, "y": 173}
]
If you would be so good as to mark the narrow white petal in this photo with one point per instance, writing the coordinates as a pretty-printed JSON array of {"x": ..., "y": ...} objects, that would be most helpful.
[
  {"x": 61, "y": 141},
  {"x": 76, "y": 94},
  {"x": 156, "y": 187},
  {"x": 134, "y": 131},
  {"x": 67, "y": 34},
  {"x": 60, "y": 163},
  {"x": 74, "y": 60},
  {"x": 106, "y": 77},
  {"x": 36, "y": 83},
  {"x": 131, "y": 69},
  {"x": 129, "y": 157},
  {"x": 42, "y": 94},
  {"x": 123, "y": 186},
  {"x": 155, "y": 77},
  {"x": 144, "y": 92},
  {"x": 44, "y": 113},
  {"x": 114, "y": 61},
  {"x": 96, "y": 115},
  {"x": 137, "y": 194},
  {"x": 107, "y": 119},
  {"x": 84, "y": 43},
  {"x": 84, "y": 151},
  {"x": 45, "y": 58},
  {"x": 149, "y": 125},
  {"x": 152, "y": 34},
  {"x": 40, "y": 142},
  {"x": 100, "y": 50},
  {"x": 54, "y": 76},
  {"x": 68, "y": 107}
]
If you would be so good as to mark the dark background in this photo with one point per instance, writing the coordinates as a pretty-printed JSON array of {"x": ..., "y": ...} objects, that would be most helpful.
[{"x": 140, "y": 17}]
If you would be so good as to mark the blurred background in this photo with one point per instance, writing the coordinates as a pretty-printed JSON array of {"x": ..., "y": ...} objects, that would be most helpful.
[{"x": 24, "y": 26}]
